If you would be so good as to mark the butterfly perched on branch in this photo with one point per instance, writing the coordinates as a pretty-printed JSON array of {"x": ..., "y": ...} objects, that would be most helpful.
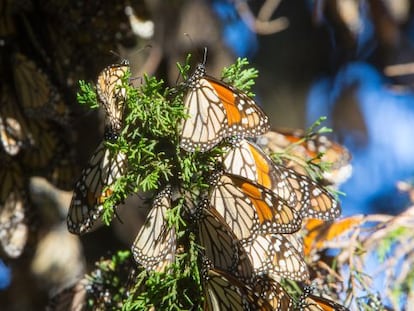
[
  {"x": 217, "y": 110},
  {"x": 106, "y": 165}
]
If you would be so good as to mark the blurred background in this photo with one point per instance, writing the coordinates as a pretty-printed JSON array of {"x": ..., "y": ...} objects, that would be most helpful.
[{"x": 349, "y": 60}]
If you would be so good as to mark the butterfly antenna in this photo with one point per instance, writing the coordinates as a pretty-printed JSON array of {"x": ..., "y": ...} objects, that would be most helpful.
[
  {"x": 115, "y": 53},
  {"x": 205, "y": 50},
  {"x": 118, "y": 217},
  {"x": 194, "y": 47},
  {"x": 148, "y": 46}
]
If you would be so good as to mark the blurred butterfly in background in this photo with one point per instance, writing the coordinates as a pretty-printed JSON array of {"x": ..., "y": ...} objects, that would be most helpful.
[
  {"x": 64, "y": 172},
  {"x": 36, "y": 93},
  {"x": 13, "y": 208},
  {"x": 217, "y": 110},
  {"x": 14, "y": 228},
  {"x": 99, "y": 290},
  {"x": 7, "y": 22},
  {"x": 310, "y": 302},
  {"x": 47, "y": 146},
  {"x": 14, "y": 132},
  {"x": 106, "y": 165},
  {"x": 40, "y": 145},
  {"x": 155, "y": 244},
  {"x": 248, "y": 208},
  {"x": 300, "y": 192},
  {"x": 11, "y": 135},
  {"x": 314, "y": 148},
  {"x": 74, "y": 57},
  {"x": 72, "y": 298},
  {"x": 317, "y": 233}
]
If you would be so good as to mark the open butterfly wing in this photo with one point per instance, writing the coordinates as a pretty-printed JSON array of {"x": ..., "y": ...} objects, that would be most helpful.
[
  {"x": 244, "y": 117},
  {"x": 203, "y": 128},
  {"x": 250, "y": 209},
  {"x": 247, "y": 160},
  {"x": 298, "y": 191},
  {"x": 217, "y": 110},
  {"x": 313, "y": 200}
]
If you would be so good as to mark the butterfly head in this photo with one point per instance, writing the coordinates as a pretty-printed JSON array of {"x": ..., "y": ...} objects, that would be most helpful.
[{"x": 111, "y": 134}]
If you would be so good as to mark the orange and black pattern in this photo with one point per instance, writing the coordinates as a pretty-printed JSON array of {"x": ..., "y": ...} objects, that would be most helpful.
[
  {"x": 105, "y": 166},
  {"x": 244, "y": 219},
  {"x": 217, "y": 110}
]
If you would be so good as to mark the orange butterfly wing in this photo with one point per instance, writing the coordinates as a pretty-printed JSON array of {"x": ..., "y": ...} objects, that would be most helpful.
[
  {"x": 249, "y": 208},
  {"x": 216, "y": 111}
]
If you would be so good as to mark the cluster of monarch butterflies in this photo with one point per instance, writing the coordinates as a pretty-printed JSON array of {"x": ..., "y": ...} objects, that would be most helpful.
[
  {"x": 42, "y": 56},
  {"x": 33, "y": 120},
  {"x": 245, "y": 223}
]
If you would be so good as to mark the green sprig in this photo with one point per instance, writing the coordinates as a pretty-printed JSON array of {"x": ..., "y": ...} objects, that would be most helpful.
[
  {"x": 86, "y": 95},
  {"x": 241, "y": 78}
]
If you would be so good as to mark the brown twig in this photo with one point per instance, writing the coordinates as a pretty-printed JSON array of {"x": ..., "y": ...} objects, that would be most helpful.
[{"x": 262, "y": 24}]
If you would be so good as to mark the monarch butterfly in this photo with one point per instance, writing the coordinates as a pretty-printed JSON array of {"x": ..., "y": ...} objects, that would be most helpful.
[
  {"x": 13, "y": 126},
  {"x": 46, "y": 147},
  {"x": 96, "y": 289},
  {"x": 39, "y": 145},
  {"x": 299, "y": 191},
  {"x": 246, "y": 159},
  {"x": 112, "y": 95},
  {"x": 225, "y": 292},
  {"x": 275, "y": 256},
  {"x": 63, "y": 174},
  {"x": 39, "y": 141},
  {"x": 249, "y": 208},
  {"x": 36, "y": 92},
  {"x": 317, "y": 232},
  {"x": 314, "y": 148},
  {"x": 49, "y": 154},
  {"x": 72, "y": 298},
  {"x": 155, "y": 245},
  {"x": 93, "y": 187},
  {"x": 221, "y": 246},
  {"x": 216, "y": 111},
  {"x": 11, "y": 135},
  {"x": 14, "y": 229},
  {"x": 13, "y": 207},
  {"x": 296, "y": 240},
  {"x": 105, "y": 166},
  {"x": 7, "y": 23},
  {"x": 310, "y": 302}
]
